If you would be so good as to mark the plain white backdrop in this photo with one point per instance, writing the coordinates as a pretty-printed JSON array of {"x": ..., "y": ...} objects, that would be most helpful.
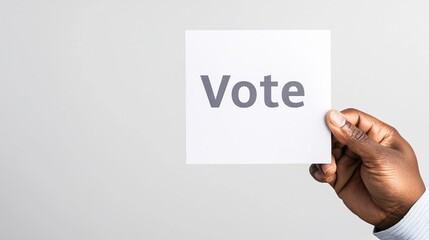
[{"x": 92, "y": 118}]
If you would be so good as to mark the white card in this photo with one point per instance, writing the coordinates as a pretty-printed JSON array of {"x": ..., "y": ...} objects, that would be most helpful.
[{"x": 258, "y": 96}]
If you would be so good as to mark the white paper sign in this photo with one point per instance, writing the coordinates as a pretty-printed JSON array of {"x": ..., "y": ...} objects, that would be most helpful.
[{"x": 258, "y": 96}]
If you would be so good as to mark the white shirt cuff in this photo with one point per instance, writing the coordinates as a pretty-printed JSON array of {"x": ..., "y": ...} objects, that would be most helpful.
[{"x": 415, "y": 224}]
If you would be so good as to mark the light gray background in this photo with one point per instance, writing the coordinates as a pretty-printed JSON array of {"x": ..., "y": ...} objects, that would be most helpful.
[{"x": 92, "y": 116}]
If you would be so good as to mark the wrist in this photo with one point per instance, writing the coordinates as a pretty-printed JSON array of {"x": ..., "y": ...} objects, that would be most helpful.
[
  {"x": 393, "y": 218},
  {"x": 399, "y": 213},
  {"x": 412, "y": 226}
]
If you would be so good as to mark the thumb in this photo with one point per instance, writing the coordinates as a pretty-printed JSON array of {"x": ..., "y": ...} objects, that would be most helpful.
[{"x": 351, "y": 136}]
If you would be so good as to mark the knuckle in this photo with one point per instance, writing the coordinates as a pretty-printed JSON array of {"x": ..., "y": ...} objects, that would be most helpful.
[
  {"x": 330, "y": 179},
  {"x": 393, "y": 132},
  {"x": 350, "y": 110},
  {"x": 323, "y": 179},
  {"x": 356, "y": 134},
  {"x": 391, "y": 137}
]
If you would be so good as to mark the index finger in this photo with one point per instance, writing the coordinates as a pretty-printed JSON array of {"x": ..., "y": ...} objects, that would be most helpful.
[{"x": 377, "y": 130}]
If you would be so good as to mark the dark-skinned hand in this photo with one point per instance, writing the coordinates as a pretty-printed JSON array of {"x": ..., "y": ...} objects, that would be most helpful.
[{"x": 373, "y": 169}]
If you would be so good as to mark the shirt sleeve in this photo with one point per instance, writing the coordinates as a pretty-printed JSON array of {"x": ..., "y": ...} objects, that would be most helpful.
[{"x": 415, "y": 224}]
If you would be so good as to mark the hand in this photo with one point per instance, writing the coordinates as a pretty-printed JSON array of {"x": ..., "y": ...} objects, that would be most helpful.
[{"x": 373, "y": 169}]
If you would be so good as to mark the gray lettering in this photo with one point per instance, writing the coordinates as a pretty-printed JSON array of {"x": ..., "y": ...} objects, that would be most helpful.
[
  {"x": 215, "y": 101},
  {"x": 252, "y": 94},
  {"x": 267, "y": 84},
  {"x": 286, "y": 94}
]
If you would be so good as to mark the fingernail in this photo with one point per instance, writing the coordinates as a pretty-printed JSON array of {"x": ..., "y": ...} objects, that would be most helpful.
[{"x": 337, "y": 119}]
